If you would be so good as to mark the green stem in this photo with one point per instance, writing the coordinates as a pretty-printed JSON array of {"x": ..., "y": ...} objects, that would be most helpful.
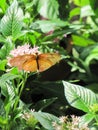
[
  {"x": 96, "y": 118},
  {"x": 85, "y": 67},
  {"x": 20, "y": 89}
]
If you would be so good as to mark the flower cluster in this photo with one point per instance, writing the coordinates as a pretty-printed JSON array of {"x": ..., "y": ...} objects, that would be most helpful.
[
  {"x": 30, "y": 119},
  {"x": 24, "y": 49},
  {"x": 94, "y": 108},
  {"x": 69, "y": 124}
]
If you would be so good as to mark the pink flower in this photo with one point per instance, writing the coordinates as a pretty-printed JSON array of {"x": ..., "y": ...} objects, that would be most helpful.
[
  {"x": 24, "y": 49},
  {"x": 70, "y": 124}
]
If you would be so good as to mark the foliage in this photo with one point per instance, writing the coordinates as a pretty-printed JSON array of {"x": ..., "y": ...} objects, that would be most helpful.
[
  {"x": 83, "y": 99},
  {"x": 67, "y": 27}
]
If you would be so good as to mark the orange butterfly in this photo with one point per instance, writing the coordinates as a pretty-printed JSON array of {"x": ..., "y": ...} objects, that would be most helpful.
[{"x": 35, "y": 62}]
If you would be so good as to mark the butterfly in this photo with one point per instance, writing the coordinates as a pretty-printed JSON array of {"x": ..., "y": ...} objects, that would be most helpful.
[{"x": 35, "y": 62}]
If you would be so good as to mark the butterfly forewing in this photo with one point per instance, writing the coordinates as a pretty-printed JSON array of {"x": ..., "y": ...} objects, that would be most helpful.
[
  {"x": 43, "y": 65},
  {"x": 23, "y": 62},
  {"x": 30, "y": 65},
  {"x": 47, "y": 60},
  {"x": 17, "y": 61}
]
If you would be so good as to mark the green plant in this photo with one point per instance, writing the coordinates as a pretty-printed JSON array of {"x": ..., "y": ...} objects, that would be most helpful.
[
  {"x": 83, "y": 99},
  {"x": 13, "y": 112},
  {"x": 68, "y": 27}
]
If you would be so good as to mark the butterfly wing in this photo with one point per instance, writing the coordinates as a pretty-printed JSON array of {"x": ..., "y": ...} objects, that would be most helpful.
[
  {"x": 47, "y": 60},
  {"x": 30, "y": 65},
  {"x": 25, "y": 62},
  {"x": 33, "y": 63}
]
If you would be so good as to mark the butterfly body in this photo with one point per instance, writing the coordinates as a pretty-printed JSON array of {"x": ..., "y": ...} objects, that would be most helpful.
[{"x": 35, "y": 62}]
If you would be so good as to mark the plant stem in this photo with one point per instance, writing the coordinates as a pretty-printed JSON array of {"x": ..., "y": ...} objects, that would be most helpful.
[
  {"x": 21, "y": 89},
  {"x": 96, "y": 118}
]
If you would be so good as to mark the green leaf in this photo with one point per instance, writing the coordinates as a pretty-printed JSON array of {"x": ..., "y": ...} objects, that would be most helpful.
[
  {"x": 74, "y": 12},
  {"x": 87, "y": 118},
  {"x": 44, "y": 103},
  {"x": 86, "y": 11},
  {"x": 81, "y": 2},
  {"x": 2, "y": 64},
  {"x": 7, "y": 89},
  {"x": 10, "y": 90},
  {"x": 3, "y": 5},
  {"x": 3, "y": 121},
  {"x": 79, "y": 97},
  {"x": 48, "y": 8},
  {"x": 46, "y": 119},
  {"x": 15, "y": 71},
  {"x": 58, "y": 33},
  {"x": 17, "y": 113},
  {"x": 2, "y": 39},
  {"x": 92, "y": 22},
  {"x": 93, "y": 54},
  {"x": 87, "y": 51},
  {"x": 77, "y": 2},
  {"x": 11, "y": 23},
  {"x": 85, "y": 2},
  {"x": 82, "y": 41},
  {"x": 8, "y": 76},
  {"x": 47, "y": 25},
  {"x": 90, "y": 58},
  {"x": 5, "y": 49},
  {"x": 2, "y": 110}
]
